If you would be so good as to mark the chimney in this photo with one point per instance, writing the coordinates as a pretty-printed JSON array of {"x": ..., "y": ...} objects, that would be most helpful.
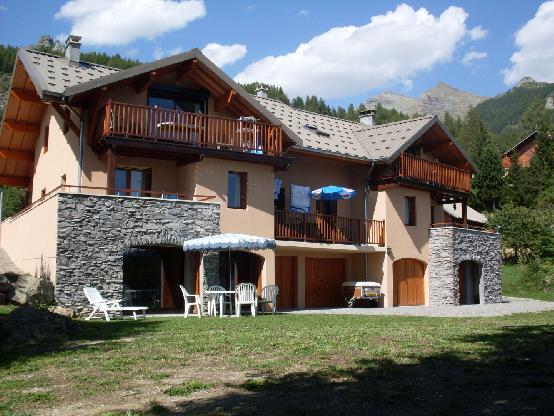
[
  {"x": 261, "y": 91},
  {"x": 73, "y": 49},
  {"x": 367, "y": 116}
]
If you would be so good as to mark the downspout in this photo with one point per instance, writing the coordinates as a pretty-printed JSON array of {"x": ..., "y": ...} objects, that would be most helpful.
[
  {"x": 366, "y": 195},
  {"x": 81, "y": 142}
]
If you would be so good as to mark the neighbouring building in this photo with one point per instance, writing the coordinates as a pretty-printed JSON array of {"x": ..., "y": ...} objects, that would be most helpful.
[
  {"x": 121, "y": 167},
  {"x": 523, "y": 151}
]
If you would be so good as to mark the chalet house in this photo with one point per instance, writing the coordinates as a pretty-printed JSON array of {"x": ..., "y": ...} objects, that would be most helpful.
[
  {"x": 523, "y": 151},
  {"x": 121, "y": 167}
]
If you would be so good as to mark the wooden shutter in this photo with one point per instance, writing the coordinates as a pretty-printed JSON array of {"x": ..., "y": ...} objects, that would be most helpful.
[{"x": 243, "y": 190}]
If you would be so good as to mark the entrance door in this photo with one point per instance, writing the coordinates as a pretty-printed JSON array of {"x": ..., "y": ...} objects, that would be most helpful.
[
  {"x": 469, "y": 279},
  {"x": 172, "y": 277},
  {"x": 408, "y": 276},
  {"x": 285, "y": 279},
  {"x": 324, "y": 278}
]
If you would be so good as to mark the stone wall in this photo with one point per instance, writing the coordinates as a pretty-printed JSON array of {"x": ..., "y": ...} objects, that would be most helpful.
[
  {"x": 448, "y": 247},
  {"x": 94, "y": 230}
]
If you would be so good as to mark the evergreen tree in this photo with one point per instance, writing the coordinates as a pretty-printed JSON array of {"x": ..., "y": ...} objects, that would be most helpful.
[
  {"x": 453, "y": 125},
  {"x": 13, "y": 201},
  {"x": 519, "y": 187},
  {"x": 298, "y": 102},
  {"x": 473, "y": 136},
  {"x": 351, "y": 113},
  {"x": 487, "y": 185}
]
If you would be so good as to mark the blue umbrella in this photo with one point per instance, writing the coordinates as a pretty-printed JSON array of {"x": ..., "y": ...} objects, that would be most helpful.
[{"x": 332, "y": 193}]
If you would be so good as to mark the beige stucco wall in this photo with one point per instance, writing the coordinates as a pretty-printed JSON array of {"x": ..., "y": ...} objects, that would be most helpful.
[
  {"x": 30, "y": 237},
  {"x": 61, "y": 157}
]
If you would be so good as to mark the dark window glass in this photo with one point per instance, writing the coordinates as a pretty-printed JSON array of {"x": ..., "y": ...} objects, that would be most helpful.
[
  {"x": 279, "y": 203},
  {"x": 326, "y": 207},
  {"x": 236, "y": 190},
  {"x": 409, "y": 210},
  {"x": 137, "y": 180}
]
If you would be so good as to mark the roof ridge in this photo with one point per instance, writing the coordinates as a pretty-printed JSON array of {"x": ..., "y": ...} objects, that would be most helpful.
[
  {"x": 63, "y": 57},
  {"x": 309, "y": 112},
  {"x": 408, "y": 120}
]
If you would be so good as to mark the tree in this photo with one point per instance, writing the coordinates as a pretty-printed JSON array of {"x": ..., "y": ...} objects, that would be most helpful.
[
  {"x": 298, "y": 102},
  {"x": 473, "y": 135},
  {"x": 488, "y": 182},
  {"x": 453, "y": 125},
  {"x": 519, "y": 187},
  {"x": 542, "y": 164},
  {"x": 13, "y": 201}
]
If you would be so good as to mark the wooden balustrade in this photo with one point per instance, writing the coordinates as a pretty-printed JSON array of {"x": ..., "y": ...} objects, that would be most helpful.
[
  {"x": 158, "y": 124},
  {"x": 328, "y": 228},
  {"x": 423, "y": 170}
]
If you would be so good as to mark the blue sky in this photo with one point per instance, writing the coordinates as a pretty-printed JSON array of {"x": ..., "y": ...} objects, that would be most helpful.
[{"x": 408, "y": 46}]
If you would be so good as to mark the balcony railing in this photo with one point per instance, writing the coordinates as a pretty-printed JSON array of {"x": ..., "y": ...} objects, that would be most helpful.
[
  {"x": 434, "y": 173},
  {"x": 162, "y": 125},
  {"x": 328, "y": 228}
]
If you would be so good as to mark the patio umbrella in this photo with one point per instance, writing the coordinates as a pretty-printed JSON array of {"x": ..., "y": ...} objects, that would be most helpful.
[
  {"x": 229, "y": 241},
  {"x": 332, "y": 193}
]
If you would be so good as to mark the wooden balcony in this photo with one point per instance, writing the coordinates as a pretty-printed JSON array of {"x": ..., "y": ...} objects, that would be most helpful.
[
  {"x": 428, "y": 172},
  {"x": 152, "y": 124},
  {"x": 328, "y": 229}
]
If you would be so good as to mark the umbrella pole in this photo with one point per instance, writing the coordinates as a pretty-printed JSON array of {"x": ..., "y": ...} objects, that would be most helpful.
[{"x": 229, "y": 268}]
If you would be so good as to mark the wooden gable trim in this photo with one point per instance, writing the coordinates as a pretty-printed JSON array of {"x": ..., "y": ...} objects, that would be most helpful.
[
  {"x": 186, "y": 69},
  {"x": 27, "y": 96},
  {"x": 21, "y": 156},
  {"x": 20, "y": 181}
]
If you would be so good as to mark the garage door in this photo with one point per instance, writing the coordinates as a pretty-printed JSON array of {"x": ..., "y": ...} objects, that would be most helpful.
[
  {"x": 285, "y": 279},
  {"x": 324, "y": 278},
  {"x": 408, "y": 277}
]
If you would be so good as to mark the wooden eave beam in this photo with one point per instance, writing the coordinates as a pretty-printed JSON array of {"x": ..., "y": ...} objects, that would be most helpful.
[
  {"x": 20, "y": 181},
  {"x": 27, "y": 96},
  {"x": 142, "y": 85},
  {"x": 21, "y": 156},
  {"x": 213, "y": 86},
  {"x": 21, "y": 127},
  {"x": 225, "y": 100},
  {"x": 186, "y": 69},
  {"x": 66, "y": 116}
]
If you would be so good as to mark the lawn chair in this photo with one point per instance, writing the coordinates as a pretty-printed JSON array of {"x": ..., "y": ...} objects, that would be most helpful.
[
  {"x": 102, "y": 306},
  {"x": 213, "y": 300},
  {"x": 188, "y": 304},
  {"x": 245, "y": 294},
  {"x": 269, "y": 295}
]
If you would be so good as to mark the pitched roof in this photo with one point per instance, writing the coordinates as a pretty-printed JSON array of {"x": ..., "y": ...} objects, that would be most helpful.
[
  {"x": 529, "y": 137},
  {"x": 318, "y": 132},
  {"x": 52, "y": 74},
  {"x": 455, "y": 210}
]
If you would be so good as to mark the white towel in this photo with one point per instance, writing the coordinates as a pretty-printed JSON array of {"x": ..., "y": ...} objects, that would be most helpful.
[
  {"x": 277, "y": 188},
  {"x": 299, "y": 198}
]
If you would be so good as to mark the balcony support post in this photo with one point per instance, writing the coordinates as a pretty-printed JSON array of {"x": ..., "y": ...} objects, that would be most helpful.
[
  {"x": 111, "y": 162},
  {"x": 464, "y": 213}
]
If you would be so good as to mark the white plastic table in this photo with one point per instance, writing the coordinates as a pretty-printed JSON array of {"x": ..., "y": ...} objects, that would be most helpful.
[{"x": 221, "y": 294}]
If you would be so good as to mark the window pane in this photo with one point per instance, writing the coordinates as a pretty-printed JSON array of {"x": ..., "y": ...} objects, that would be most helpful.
[
  {"x": 120, "y": 180},
  {"x": 233, "y": 190},
  {"x": 137, "y": 181},
  {"x": 161, "y": 102}
]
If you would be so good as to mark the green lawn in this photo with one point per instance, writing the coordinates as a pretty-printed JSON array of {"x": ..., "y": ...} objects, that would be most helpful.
[
  {"x": 514, "y": 285},
  {"x": 287, "y": 365}
]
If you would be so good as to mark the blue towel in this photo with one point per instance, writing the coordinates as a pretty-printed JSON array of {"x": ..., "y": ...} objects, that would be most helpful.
[
  {"x": 299, "y": 198},
  {"x": 277, "y": 188}
]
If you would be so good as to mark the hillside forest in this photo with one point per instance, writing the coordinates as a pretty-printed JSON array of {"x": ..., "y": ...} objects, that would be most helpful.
[{"x": 520, "y": 203}]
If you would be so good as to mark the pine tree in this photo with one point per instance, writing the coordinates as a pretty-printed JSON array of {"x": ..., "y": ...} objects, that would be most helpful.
[
  {"x": 519, "y": 187},
  {"x": 351, "y": 113},
  {"x": 473, "y": 135},
  {"x": 488, "y": 181},
  {"x": 298, "y": 102}
]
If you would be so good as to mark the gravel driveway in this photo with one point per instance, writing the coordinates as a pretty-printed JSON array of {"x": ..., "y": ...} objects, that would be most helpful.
[{"x": 508, "y": 306}]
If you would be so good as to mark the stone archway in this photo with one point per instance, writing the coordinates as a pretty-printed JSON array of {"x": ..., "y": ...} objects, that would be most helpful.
[{"x": 469, "y": 282}]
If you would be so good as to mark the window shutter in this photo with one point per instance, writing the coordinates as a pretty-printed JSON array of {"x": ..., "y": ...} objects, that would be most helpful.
[{"x": 243, "y": 190}]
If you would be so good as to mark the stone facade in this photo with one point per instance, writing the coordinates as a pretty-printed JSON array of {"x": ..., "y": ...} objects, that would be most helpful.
[
  {"x": 94, "y": 230},
  {"x": 448, "y": 247}
]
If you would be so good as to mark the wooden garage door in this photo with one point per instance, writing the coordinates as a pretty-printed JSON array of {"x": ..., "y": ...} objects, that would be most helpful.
[
  {"x": 285, "y": 279},
  {"x": 324, "y": 278},
  {"x": 408, "y": 282}
]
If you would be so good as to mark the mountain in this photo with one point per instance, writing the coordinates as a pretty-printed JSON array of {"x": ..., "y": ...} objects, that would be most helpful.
[
  {"x": 504, "y": 111},
  {"x": 437, "y": 100}
]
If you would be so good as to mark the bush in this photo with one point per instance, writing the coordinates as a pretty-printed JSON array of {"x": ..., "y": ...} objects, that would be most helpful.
[{"x": 537, "y": 275}]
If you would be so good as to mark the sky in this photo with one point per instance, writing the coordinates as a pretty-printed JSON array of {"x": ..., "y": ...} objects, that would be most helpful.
[{"x": 344, "y": 51}]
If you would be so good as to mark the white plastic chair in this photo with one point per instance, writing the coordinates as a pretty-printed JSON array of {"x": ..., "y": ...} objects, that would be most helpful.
[
  {"x": 105, "y": 307},
  {"x": 213, "y": 300},
  {"x": 189, "y": 305},
  {"x": 245, "y": 294},
  {"x": 269, "y": 295}
]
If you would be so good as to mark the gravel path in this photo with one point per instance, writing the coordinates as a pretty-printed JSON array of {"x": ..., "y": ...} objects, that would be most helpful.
[{"x": 509, "y": 306}]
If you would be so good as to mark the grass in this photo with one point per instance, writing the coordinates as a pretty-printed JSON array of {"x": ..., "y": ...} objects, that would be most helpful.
[
  {"x": 286, "y": 364},
  {"x": 513, "y": 284}
]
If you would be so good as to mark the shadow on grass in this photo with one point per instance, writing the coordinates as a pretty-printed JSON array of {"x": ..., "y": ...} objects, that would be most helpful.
[
  {"x": 84, "y": 334},
  {"x": 508, "y": 372}
]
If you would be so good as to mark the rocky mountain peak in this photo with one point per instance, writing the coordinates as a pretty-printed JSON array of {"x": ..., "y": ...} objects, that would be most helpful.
[{"x": 525, "y": 81}]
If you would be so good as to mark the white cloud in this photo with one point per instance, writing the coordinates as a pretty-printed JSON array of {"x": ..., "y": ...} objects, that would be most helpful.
[
  {"x": 535, "y": 41},
  {"x": 119, "y": 22},
  {"x": 3, "y": 8},
  {"x": 344, "y": 61},
  {"x": 471, "y": 56},
  {"x": 477, "y": 33},
  {"x": 222, "y": 55},
  {"x": 303, "y": 13},
  {"x": 160, "y": 53}
]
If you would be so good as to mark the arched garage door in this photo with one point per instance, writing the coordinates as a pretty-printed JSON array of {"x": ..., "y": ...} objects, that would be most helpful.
[{"x": 408, "y": 276}]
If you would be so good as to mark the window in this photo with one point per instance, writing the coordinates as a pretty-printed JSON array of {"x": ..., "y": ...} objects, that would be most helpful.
[
  {"x": 236, "y": 190},
  {"x": 133, "y": 182},
  {"x": 279, "y": 203},
  {"x": 174, "y": 98},
  {"x": 409, "y": 210},
  {"x": 63, "y": 180},
  {"x": 326, "y": 207},
  {"x": 432, "y": 214},
  {"x": 45, "y": 143},
  {"x": 43, "y": 193}
]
